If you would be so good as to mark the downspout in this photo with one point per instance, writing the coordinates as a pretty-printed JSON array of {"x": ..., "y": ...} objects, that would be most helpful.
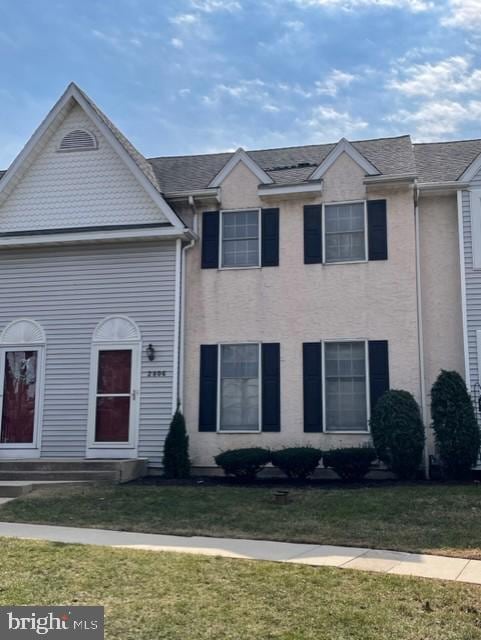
[
  {"x": 422, "y": 382},
  {"x": 182, "y": 307},
  {"x": 464, "y": 310}
]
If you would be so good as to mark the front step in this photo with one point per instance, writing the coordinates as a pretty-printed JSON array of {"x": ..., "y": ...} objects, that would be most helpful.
[
  {"x": 66, "y": 470},
  {"x": 14, "y": 488},
  {"x": 68, "y": 476}
]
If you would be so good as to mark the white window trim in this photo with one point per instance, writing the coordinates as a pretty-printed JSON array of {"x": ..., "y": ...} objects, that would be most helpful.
[
  {"x": 30, "y": 449},
  {"x": 368, "y": 399},
  {"x": 95, "y": 448},
  {"x": 366, "y": 243},
  {"x": 259, "y": 221},
  {"x": 219, "y": 384}
]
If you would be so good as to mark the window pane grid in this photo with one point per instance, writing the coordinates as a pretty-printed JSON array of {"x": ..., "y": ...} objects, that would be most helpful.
[
  {"x": 345, "y": 386},
  {"x": 239, "y": 387},
  {"x": 240, "y": 238},
  {"x": 344, "y": 232}
]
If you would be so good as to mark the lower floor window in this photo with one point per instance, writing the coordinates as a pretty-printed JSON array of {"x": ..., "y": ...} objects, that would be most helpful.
[
  {"x": 239, "y": 387},
  {"x": 345, "y": 386}
]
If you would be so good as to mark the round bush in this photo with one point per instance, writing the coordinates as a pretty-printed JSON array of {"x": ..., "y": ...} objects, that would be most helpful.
[
  {"x": 350, "y": 463},
  {"x": 455, "y": 426},
  {"x": 243, "y": 463},
  {"x": 398, "y": 433},
  {"x": 297, "y": 462}
]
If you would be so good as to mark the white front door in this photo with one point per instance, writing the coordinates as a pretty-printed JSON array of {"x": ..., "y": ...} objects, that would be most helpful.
[
  {"x": 20, "y": 400},
  {"x": 114, "y": 401}
]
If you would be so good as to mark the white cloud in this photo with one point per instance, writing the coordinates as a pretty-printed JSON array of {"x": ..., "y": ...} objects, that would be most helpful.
[
  {"x": 412, "y": 5},
  {"x": 210, "y": 6},
  {"x": 334, "y": 81},
  {"x": 436, "y": 120},
  {"x": 294, "y": 25},
  {"x": 450, "y": 76},
  {"x": 245, "y": 90},
  {"x": 271, "y": 108},
  {"x": 177, "y": 43},
  {"x": 463, "y": 13},
  {"x": 184, "y": 19},
  {"x": 328, "y": 124}
]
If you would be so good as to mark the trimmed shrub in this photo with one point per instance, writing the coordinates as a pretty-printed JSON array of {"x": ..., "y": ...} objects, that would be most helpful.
[
  {"x": 398, "y": 433},
  {"x": 455, "y": 426},
  {"x": 350, "y": 463},
  {"x": 176, "y": 449},
  {"x": 243, "y": 463},
  {"x": 297, "y": 462}
]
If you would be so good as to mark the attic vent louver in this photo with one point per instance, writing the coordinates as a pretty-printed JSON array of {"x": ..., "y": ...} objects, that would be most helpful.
[{"x": 78, "y": 140}]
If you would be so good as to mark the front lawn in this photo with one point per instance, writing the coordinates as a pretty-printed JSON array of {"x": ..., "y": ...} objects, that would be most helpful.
[
  {"x": 167, "y": 596},
  {"x": 441, "y": 519}
]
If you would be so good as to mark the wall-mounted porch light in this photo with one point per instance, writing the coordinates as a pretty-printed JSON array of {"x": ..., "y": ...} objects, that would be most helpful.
[{"x": 150, "y": 353}]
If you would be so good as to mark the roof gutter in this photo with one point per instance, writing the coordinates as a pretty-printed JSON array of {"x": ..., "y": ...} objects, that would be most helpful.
[
  {"x": 450, "y": 185},
  {"x": 395, "y": 178},
  {"x": 199, "y": 194}
]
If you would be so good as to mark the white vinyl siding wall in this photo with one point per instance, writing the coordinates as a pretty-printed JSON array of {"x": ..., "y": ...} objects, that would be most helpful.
[{"x": 68, "y": 290}]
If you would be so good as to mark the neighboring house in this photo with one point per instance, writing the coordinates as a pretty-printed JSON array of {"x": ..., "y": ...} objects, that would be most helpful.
[
  {"x": 458, "y": 165},
  {"x": 276, "y": 293},
  {"x": 90, "y": 256}
]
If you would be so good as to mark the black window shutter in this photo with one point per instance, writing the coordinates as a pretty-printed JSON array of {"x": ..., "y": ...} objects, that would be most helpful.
[
  {"x": 208, "y": 388},
  {"x": 312, "y": 233},
  {"x": 270, "y": 237},
  {"x": 312, "y": 377},
  {"x": 271, "y": 387},
  {"x": 210, "y": 240},
  {"x": 378, "y": 369},
  {"x": 377, "y": 229}
]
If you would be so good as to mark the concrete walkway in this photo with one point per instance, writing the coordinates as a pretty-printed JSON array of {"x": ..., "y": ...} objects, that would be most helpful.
[{"x": 392, "y": 562}]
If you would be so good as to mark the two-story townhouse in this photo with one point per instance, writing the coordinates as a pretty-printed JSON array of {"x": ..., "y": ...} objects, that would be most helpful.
[
  {"x": 90, "y": 258},
  {"x": 303, "y": 301},
  {"x": 274, "y": 293}
]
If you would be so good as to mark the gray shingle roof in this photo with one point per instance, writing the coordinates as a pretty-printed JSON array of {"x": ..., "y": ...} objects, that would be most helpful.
[
  {"x": 291, "y": 164},
  {"x": 445, "y": 161}
]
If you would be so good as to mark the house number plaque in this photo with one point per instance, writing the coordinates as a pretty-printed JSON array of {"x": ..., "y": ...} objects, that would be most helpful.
[{"x": 156, "y": 373}]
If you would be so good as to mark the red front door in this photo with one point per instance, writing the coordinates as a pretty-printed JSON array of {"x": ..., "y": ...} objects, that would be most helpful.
[
  {"x": 113, "y": 401},
  {"x": 19, "y": 396}
]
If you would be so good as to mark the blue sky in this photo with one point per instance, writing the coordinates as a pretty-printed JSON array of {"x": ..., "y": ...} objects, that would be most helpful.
[{"x": 195, "y": 76}]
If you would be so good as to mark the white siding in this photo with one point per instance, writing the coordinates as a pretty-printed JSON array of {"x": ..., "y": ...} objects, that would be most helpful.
[
  {"x": 473, "y": 284},
  {"x": 68, "y": 290},
  {"x": 77, "y": 189}
]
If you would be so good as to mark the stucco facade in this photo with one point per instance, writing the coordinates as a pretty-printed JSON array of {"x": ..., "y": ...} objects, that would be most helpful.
[{"x": 295, "y": 303}]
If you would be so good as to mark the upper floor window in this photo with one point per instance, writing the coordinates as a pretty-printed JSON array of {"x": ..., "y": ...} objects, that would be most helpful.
[
  {"x": 240, "y": 238},
  {"x": 345, "y": 232},
  {"x": 344, "y": 235}
]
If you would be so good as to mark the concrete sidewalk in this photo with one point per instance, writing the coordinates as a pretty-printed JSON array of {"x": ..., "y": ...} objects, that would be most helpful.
[{"x": 392, "y": 562}]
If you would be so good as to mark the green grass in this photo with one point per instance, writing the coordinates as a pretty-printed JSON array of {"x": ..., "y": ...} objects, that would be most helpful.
[
  {"x": 440, "y": 519},
  {"x": 156, "y": 596}
]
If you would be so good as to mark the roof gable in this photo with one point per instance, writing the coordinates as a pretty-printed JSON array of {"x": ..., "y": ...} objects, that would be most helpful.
[
  {"x": 472, "y": 171},
  {"x": 135, "y": 163},
  {"x": 241, "y": 156},
  {"x": 344, "y": 146}
]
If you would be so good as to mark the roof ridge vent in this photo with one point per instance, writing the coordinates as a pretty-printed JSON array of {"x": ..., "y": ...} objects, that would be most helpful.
[{"x": 78, "y": 140}]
